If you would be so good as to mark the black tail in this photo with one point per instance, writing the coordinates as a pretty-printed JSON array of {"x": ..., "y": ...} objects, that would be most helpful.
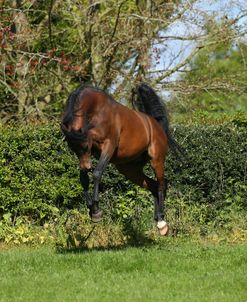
[{"x": 150, "y": 103}]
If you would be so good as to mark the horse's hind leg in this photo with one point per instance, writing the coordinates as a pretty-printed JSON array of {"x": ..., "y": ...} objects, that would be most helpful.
[
  {"x": 158, "y": 167},
  {"x": 134, "y": 172}
]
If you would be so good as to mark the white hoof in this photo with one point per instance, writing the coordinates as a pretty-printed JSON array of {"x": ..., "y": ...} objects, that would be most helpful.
[{"x": 163, "y": 227}]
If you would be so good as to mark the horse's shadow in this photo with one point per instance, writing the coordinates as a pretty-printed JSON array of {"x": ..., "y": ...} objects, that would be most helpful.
[{"x": 135, "y": 238}]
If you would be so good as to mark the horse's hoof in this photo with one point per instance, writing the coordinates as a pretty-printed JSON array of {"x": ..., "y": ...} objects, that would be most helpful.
[
  {"x": 164, "y": 231},
  {"x": 97, "y": 217},
  {"x": 163, "y": 228}
]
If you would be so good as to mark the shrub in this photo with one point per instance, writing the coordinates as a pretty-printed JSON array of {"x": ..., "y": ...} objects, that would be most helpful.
[{"x": 214, "y": 171}]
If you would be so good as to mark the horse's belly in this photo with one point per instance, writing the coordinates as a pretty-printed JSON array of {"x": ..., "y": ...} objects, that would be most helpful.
[
  {"x": 130, "y": 151},
  {"x": 137, "y": 158}
]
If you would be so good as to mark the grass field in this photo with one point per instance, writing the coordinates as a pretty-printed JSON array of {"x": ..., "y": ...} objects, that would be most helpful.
[{"x": 166, "y": 271}]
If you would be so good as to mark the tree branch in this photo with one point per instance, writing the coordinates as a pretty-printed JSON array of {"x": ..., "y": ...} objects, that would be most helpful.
[
  {"x": 9, "y": 88},
  {"x": 180, "y": 65}
]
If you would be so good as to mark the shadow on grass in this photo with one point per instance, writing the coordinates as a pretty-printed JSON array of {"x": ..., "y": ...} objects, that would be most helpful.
[{"x": 134, "y": 237}]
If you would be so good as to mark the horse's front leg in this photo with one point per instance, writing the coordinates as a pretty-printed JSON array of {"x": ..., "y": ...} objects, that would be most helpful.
[
  {"x": 84, "y": 179},
  {"x": 95, "y": 212}
]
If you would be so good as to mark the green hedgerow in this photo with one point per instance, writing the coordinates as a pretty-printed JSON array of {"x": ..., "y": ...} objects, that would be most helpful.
[{"x": 39, "y": 176}]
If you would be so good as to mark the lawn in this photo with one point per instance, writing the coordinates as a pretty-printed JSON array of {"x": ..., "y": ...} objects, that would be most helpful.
[{"x": 166, "y": 271}]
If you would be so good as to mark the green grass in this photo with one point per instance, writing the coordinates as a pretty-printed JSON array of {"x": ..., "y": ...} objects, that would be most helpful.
[{"x": 167, "y": 271}]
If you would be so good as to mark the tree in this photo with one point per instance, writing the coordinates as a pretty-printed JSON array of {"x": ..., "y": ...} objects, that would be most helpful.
[
  {"x": 216, "y": 78},
  {"x": 49, "y": 47}
]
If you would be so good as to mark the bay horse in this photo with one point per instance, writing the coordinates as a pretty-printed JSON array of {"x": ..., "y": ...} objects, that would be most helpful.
[{"x": 95, "y": 124}]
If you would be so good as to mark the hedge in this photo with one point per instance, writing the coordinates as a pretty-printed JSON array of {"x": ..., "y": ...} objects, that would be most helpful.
[{"x": 39, "y": 176}]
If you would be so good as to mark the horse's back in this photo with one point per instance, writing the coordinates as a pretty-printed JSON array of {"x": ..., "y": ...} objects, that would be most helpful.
[{"x": 138, "y": 132}]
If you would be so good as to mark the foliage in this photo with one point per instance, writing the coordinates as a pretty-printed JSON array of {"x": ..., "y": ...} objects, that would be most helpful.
[
  {"x": 216, "y": 82},
  {"x": 22, "y": 231},
  {"x": 49, "y": 47},
  {"x": 39, "y": 182},
  {"x": 216, "y": 164},
  {"x": 38, "y": 173}
]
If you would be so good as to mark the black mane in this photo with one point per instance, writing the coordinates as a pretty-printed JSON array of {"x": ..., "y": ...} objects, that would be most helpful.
[
  {"x": 71, "y": 104},
  {"x": 73, "y": 100}
]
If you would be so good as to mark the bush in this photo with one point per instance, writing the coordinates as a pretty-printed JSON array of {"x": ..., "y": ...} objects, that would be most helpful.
[
  {"x": 209, "y": 189},
  {"x": 39, "y": 177},
  {"x": 214, "y": 171},
  {"x": 38, "y": 174}
]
